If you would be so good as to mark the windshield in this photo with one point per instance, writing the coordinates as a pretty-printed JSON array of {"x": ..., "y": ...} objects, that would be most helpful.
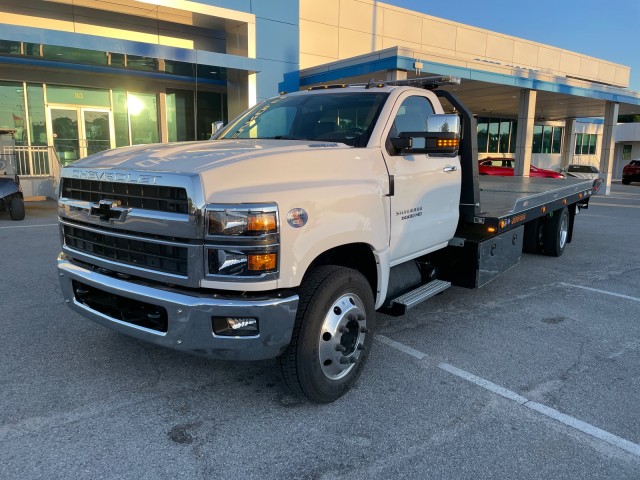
[{"x": 341, "y": 117}]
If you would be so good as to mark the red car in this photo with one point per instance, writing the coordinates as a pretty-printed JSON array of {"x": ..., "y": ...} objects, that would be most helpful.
[
  {"x": 504, "y": 167},
  {"x": 631, "y": 172}
]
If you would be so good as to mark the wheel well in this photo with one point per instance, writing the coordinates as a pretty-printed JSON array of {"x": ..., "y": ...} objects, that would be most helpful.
[{"x": 356, "y": 255}]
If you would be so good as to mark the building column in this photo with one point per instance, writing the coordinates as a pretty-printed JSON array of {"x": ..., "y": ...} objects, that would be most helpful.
[
  {"x": 608, "y": 143},
  {"x": 162, "y": 117},
  {"x": 395, "y": 75},
  {"x": 568, "y": 142},
  {"x": 524, "y": 136}
]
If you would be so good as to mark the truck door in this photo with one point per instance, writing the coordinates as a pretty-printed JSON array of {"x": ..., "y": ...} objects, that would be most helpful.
[{"x": 426, "y": 196}]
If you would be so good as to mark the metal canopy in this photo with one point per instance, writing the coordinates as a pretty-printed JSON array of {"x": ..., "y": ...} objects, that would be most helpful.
[{"x": 485, "y": 93}]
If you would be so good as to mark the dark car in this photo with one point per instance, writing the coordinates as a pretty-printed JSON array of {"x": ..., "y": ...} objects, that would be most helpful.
[
  {"x": 504, "y": 168},
  {"x": 631, "y": 172}
]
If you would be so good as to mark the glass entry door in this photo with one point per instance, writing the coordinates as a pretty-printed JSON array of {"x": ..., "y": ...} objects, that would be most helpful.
[{"x": 78, "y": 131}]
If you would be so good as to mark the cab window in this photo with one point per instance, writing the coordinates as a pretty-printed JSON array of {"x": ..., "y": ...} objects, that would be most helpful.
[{"x": 412, "y": 117}]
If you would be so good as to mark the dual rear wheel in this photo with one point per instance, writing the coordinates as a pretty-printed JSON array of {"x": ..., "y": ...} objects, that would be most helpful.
[{"x": 549, "y": 236}]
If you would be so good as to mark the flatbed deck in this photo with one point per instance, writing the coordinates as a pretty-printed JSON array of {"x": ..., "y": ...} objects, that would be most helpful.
[{"x": 508, "y": 201}]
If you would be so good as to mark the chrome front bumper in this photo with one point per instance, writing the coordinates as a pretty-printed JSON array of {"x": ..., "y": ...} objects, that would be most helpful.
[{"x": 189, "y": 317}]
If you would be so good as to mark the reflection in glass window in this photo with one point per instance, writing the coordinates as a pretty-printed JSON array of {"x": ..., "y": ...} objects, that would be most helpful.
[
  {"x": 537, "y": 139},
  {"x": 483, "y": 131},
  {"x": 494, "y": 134},
  {"x": 578, "y": 150},
  {"x": 38, "y": 125},
  {"x": 12, "y": 111},
  {"x": 626, "y": 152},
  {"x": 556, "y": 146},
  {"x": 211, "y": 107},
  {"x": 143, "y": 117},
  {"x": 121, "y": 118},
  {"x": 180, "y": 120},
  {"x": 546, "y": 139},
  {"x": 504, "y": 135},
  {"x": 592, "y": 144}
]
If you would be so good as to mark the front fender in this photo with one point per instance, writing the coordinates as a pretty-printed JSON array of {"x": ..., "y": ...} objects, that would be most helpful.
[{"x": 9, "y": 187}]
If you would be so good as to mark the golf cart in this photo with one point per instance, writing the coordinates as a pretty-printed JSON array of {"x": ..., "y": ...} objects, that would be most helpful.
[{"x": 11, "y": 198}]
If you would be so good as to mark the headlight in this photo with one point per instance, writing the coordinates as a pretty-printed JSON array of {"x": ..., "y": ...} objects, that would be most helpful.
[
  {"x": 242, "y": 241},
  {"x": 240, "y": 220}
]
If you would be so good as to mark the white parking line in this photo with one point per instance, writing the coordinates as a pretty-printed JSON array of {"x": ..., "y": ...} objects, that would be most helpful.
[
  {"x": 616, "y": 205},
  {"x": 597, "y": 290},
  {"x": 31, "y": 226},
  {"x": 611, "y": 439}
]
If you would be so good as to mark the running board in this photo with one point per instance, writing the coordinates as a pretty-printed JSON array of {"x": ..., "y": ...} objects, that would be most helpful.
[{"x": 399, "y": 306}]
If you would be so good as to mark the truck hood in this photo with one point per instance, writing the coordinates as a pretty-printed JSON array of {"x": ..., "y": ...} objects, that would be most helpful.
[
  {"x": 196, "y": 157},
  {"x": 247, "y": 170}
]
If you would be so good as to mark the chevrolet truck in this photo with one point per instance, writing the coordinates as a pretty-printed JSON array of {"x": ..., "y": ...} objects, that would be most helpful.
[{"x": 284, "y": 235}]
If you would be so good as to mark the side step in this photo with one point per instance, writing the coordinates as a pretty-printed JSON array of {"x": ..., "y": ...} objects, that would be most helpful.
[{"x": 404, "y": 302}]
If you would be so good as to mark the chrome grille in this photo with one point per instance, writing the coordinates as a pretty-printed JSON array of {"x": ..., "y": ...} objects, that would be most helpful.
[
  {"x": 148, "y": 197},
  {"x": 158, "y": 256}
]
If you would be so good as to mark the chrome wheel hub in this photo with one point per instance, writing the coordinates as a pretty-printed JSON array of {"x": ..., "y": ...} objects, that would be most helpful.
[
  {"x": 342, "y": 336},
  {"x": 564, "y": 231}
]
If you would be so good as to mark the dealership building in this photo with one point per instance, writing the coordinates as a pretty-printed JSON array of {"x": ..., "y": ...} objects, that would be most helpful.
[{"x": 81, "y": 76}]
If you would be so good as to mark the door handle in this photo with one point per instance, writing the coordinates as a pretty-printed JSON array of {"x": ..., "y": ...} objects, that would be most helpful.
[{"x": 451, "y": 168}]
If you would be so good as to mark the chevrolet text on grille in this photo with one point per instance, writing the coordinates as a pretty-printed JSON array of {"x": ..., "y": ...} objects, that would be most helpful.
[{"x": 115, "y": 177}]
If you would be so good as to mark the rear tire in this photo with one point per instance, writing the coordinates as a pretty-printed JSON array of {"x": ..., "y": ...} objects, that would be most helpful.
[
  {"x": 331, "y": 338},
  {"x": 531, "y": 239},
  {"x": 626, "y": 180},
  {"x": 556, "y": 233},
  {"x": 16, "y": 208}
]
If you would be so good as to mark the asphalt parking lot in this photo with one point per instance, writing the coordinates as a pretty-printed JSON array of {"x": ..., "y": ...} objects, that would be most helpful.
[{"x": 536, "y": 375}]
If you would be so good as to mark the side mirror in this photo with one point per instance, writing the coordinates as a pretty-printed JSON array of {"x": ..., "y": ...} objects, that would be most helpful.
[
  {"x": 441, "y": 138},
  {"x": 401, "y": 143},
  {"x": 443, "y": 123}
]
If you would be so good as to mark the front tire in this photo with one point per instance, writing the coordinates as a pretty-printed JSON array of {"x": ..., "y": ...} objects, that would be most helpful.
[
  {"x": 16, "y": 208},
  {"x": 331, "y": 337},
  {"x": 556, "y": 233},
  {"x": 626, "y": 180}
]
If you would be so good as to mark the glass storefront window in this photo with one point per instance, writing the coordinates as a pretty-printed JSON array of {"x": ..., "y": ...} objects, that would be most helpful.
[
  {"x": 512, "y": 140},
  {"x": 546, "y": 138},
  {"x": 494, "y": 132},
  {"x": 180, "y": 115},
  {"x": 74, "y": 55},
  {"x": 504, "y": 136},
  {"x": 12, "y": 111},
  {"x": 121, "y": 118},
  {"x": 592, "y": 144},
  {"x": 537, "y": 139},
  {"x": 483, "y": 130},
  {"x": 8, "y": 47},
  {"x": 212, "y": 107},
  {"x": 578, "y": 150},
  {"x": 78, "y": 96},
  {"x": 143, "y": 117},
  {"x": 557, "y": 140},
  {"x": 38, "y": 124}
]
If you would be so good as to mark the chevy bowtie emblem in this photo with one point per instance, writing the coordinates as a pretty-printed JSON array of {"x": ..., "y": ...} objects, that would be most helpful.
[{"x": 109, "y": 211}]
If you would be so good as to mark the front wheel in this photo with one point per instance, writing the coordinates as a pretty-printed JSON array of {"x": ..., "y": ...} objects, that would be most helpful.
[
  {"x": 16, "y": 208},
  {"x": 331, "y": 337},
  {"x": 626, "y": 180}
]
